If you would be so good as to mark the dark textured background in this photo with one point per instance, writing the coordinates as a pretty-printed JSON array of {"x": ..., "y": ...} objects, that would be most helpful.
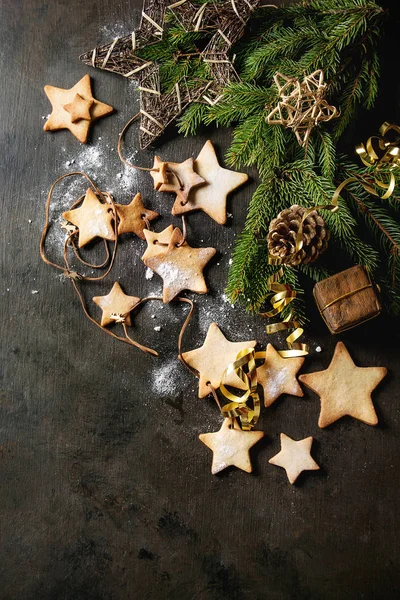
[{"x": 105, "y": 490}]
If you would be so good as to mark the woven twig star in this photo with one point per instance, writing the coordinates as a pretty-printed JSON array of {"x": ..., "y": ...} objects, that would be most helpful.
[
  {"x": 302, "y": 105},
  {"x": 157, "y": 109}
]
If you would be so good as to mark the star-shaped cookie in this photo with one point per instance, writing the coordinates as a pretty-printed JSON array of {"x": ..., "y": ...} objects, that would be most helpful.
[
  {"x": 116, "y": 304},
  {"x": 278, "y": 376},
  {"x": 210, "y": 198},
  {"x": 131, "y": 217},
  {"x": 295, "y": 457},
  {"x": 212, "y": 358},
  {"x": 231, "y": 446},
  {"x": 74, "y": 109},
  {"x": 181, "y": 267},
  {"x": 345, "y": 389},
  {"x": 93, "y": 219},
  {"x": 180, "y": 178}
]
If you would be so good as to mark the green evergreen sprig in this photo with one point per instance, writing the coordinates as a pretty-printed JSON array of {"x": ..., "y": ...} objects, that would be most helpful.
[{"x": 341, "y": 38}]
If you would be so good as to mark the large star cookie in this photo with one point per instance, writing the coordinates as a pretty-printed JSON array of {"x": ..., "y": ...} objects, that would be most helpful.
[
  {"x": 294, "y": 457},
  {"x": 93, "y": 219},
  {"x": 345, "y": 389},
  {"x": 132, "y": 217},
  {"x": 278, "y": 376},
  {"x": 116, "y": 304},
  {"x": 74, "y": 109},
  {"x": 210, "y": 198},
  {"x": 212, "y": 358},
  {"x": 181, "y": 267},
  {"x": 230, "y": 446}
]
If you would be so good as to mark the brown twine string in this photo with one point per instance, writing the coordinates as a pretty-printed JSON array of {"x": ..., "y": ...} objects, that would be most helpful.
[{"x": 120, "y": 139}]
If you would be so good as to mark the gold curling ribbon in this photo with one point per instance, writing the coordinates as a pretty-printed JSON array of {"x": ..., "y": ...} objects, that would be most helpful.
[
  {"x": 237, "y": 406},
  {"x": 378, "y": 152}
]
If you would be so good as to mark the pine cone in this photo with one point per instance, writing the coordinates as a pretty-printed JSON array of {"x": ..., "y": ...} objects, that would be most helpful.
[{"x": 282, "y": 236}]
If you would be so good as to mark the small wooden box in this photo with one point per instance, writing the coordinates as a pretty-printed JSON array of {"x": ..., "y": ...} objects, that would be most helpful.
[{"x": 347, "y": 299}]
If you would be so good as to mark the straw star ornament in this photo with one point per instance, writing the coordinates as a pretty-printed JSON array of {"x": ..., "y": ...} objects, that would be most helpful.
[
  {"x": 226, "y": 20},
  {"x": 302, "y": 105}
]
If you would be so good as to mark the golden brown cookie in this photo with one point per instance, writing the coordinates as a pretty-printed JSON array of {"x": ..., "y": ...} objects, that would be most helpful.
[
  {"x": 345, "y": 389},
  {"x": 181, "y": 267},
  {"x": 93, "y": 219},
  {"x": 132, "y": 217},
  {"x": 116, "y": 304},
  {"x": 212, "y": 358},
  {"x": 278, "y": 376},
  {"x": 180, "y": 178},
  {"x": 231, "y": 446},
  {"x": 74, "y": 109},
  {"x": 294, "y": 457},
  {"x": 210, "y": 198}
]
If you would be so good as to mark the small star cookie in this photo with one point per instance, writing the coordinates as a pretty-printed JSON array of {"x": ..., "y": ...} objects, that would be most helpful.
[
  {"x": 345, "y": 389},
  {"x": 180, "y": 267},
  {"x": 210, "y": 198},
  {"x": 93, "y": 219},
  {"x": 230, "y": 446},
  {"x": 212, "y": 358},
  {"x": 132, "y": 217},
  {"x": 116, "y": 304},
  {"x": 180, "y": 178},
  {"x": 75, "y": 109},
  {"x": 278, "y": 376},
  {"x": 294, "y": 457}
]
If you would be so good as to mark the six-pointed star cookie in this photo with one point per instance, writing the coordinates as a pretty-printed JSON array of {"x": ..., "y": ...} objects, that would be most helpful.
[
  {"x": 345, "y": 389},
  {"x": 181, "y": 267},
  {"x": 132, "y": 217},
  {"x": 212, "y": 358},
  {"x": 278, "y": 376},
  {"x": 93, "y": 219},
  {"x": 71, "y": 109},
  {"x": 116, "y": 303},
  {"x": 294, "y": 457},
  {"x": 180, "y": 178},
  {"x": 210, "y": 198},
  {"x": 231, "y": 446}
]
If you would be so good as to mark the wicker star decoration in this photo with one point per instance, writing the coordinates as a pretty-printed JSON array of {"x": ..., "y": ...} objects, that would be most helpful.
[
  {"x": 302, "y": 105},
  {"x": 226, "y": 21}
]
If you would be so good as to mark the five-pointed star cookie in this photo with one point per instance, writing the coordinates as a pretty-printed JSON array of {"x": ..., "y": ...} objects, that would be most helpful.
[
  {"x": 210, "y": 198},
  {"x": 278, "y": 376},
  {"x": 116, "y": 304},
  {"x": 230, "y": 446},
  {"x": 93, "y": 219},
  {"x": 181, "y": 267},
  {"x": 294, "y": 457},
  {"x": 180, "y": 178},
  {"x": 132, "y": 217},
  {"x": 212, "y": 358},
  {"x": 79, "y": 108},
  {"x": 74, "y": 109},
  {"x": 345, "y": 389}
]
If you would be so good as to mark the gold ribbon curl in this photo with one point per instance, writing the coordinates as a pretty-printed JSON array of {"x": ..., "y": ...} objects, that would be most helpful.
[
  {"x": 380, "y": 153},
  {"x": 237, "y": 406}
]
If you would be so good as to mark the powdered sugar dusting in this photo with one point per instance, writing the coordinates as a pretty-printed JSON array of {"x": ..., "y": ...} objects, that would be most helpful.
[{"x": 168, "y": 378}]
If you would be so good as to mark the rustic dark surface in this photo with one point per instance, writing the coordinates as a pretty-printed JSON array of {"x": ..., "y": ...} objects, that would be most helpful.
[{"x": 105, "y": 490}]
